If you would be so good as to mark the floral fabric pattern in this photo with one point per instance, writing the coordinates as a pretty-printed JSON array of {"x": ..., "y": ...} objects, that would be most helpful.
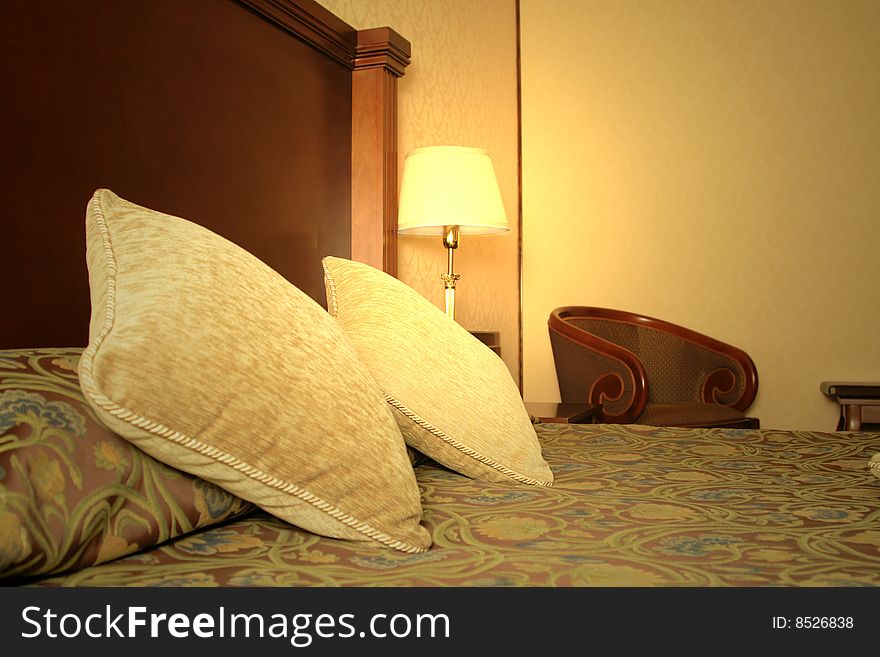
[
  {"x": 73, "y": 493},
  {"x": 632, "y": 506}
]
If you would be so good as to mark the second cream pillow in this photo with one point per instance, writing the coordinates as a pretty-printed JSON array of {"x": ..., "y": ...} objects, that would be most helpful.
[{"x": 453, "y": 398}]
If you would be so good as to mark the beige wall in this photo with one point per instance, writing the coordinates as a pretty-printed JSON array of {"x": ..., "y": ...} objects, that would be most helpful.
[
  {"x": 716, "y": 164},
  {"x": 461, "y": 89},
  {"x": 713, "y": 164}
]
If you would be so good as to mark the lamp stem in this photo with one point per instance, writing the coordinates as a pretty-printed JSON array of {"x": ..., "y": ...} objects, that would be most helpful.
[
  {"x": 451, "y": 251},
  {"x": 450, "y": 241}
]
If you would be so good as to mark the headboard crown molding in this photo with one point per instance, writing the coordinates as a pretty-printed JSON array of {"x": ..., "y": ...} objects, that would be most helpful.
[
  {"x": 382, "y": 47},
  {"x": 313, "y": 23},
  {"x": 379, "y": 47}
]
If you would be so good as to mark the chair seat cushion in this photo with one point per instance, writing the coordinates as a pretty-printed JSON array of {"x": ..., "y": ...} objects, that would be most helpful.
[{"x": 691, "y": 414}]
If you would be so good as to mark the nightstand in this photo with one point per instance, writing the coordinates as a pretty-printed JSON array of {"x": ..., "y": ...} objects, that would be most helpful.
[
  {"x": 859, "y": 404},
  {"x": 552, "y": 412},
  {"x": 491, "y": 339}
]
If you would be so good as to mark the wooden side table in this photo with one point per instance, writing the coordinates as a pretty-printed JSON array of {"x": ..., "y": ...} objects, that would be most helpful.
[
  {"x": 859, "y": 404},
  {"x": 491, "y": 339},
  {"x": 553, "y": 412}
]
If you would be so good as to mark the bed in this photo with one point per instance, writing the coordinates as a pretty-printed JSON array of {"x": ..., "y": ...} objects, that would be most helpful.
[{"x": 299, "y": 121}]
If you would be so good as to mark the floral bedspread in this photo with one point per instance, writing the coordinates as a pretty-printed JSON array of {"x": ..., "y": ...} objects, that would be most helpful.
[{"x": 632, "y": 506}]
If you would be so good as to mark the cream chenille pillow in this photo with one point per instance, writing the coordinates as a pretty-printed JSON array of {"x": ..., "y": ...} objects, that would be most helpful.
[
  {"x": 211, "y": 362},
  {"x": 453, "y": 398}
]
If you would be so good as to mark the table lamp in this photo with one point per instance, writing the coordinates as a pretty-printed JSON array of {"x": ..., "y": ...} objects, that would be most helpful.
[{"x": 449, "y": 191}]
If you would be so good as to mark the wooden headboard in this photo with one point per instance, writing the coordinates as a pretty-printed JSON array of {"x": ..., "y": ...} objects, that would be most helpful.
[{"x": 271, "y": 122}]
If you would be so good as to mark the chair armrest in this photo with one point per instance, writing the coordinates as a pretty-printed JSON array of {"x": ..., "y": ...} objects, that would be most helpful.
[{"x": 597, "y": 371}]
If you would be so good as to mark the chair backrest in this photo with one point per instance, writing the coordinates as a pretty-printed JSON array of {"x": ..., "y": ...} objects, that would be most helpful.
[
  {"x": 634, "y": 359},
  {"x": 677, "y": 367}
]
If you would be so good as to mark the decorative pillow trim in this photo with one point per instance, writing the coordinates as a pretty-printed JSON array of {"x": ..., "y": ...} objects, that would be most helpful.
[
  {"x": 330, "y": 284},
  {"x": 88, "y": 384},
  {"x": 449, "y": 440}
]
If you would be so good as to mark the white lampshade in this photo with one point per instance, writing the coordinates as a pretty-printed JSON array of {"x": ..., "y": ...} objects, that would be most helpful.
[{"x": 450, "y": 186}]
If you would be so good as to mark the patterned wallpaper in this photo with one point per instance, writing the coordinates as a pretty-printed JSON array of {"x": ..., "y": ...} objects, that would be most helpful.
[
  {"x": 715, "y": 164},
  {"x": 460, "y": 89}
]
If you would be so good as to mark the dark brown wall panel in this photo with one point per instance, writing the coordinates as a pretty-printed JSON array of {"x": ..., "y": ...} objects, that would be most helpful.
[{"x": 199, "y": 108}]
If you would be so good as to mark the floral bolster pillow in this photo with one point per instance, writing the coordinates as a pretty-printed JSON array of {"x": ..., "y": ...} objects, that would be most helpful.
[{"x": 72, "y": 492}]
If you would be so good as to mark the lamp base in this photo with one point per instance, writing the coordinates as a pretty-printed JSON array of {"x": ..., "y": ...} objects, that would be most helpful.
[{"x": 449, "y": 281}]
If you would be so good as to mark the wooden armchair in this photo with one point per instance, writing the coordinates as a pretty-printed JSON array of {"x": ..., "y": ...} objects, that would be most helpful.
[{"x": 647, "y": 371}]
